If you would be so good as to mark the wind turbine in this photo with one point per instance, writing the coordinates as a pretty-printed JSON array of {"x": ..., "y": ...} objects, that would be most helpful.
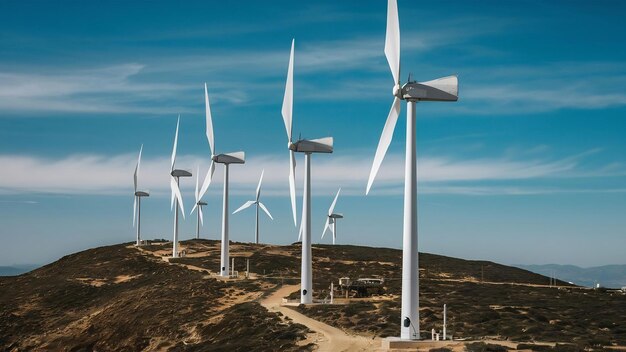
[
  {"x": 331, "y": 219},
  {"x": 137, "y": 202},
  {"x": 308, "y": 147},
  {"x": 226, "y": 159},
  {"x": 199, "y": 204},
  {"x": 442, "y": 89},
  {"x": 176, "y": 196},
  {"x": 258, "y": 204}
]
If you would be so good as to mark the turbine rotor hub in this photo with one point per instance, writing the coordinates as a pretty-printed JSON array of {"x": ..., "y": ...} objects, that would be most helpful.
[{"x": 397, "y": 91}]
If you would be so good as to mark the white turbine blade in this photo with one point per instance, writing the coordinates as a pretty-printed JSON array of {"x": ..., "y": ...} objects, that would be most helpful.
[
  {"x": 201, "y": 216},
  {"x": 292, "y": 185},
  {"x": 244, "y": 206},
  {"x": 209, "y": 121},
  {"x": 385, "y": 140},
  {"x": 179, "y": 197},
  {"x": 392, "y": 40},
  {"x": 326, "y": 226},
  {"x": 173, "y": 193},
  {"x": 175, "y": 144},
  {"x": 194, "y": 208},
  {"x": 287, "y": 109},
  {"x": 207, "y": 180},
  {"x": 300, "y": 233},
  {"x": 134, "y": 211},
  {"x": 258, "y": 188},
  {"x": 265, "y": 210},
  {"x": 196, "y": 192},
  {"x": 137, "y": 167},
  {"x": 332, "y": 206}
]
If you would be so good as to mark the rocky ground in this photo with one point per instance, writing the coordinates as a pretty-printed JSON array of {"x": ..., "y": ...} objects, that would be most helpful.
[{"x": 120, "y": 298}]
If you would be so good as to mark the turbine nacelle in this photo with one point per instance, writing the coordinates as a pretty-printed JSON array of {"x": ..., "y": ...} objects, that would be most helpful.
[
  {"x": 201, "y": 203},
  {"x": 142, "y": 194},
  {"x": 336, "y": 216},
  {"x": 180, "y": 173},
  {"x": 441, "y": 89},
  {"x": 230, "y": 158},
  {"x": 320, "y": 145}
]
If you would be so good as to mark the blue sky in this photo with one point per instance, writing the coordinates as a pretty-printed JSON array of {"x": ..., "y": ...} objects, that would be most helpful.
[{"x": 527, "y": 167}]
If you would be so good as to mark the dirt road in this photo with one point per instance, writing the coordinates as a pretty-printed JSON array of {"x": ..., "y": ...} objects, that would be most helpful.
[{"x": 326, "y": 337}]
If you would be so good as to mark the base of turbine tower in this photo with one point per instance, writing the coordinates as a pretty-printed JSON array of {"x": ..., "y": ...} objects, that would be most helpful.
[{"x": 396, "y": 343}]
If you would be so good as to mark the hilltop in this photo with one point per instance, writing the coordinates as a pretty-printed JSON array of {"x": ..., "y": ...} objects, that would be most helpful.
[
  {"x": 612, "y": 276},
  {"x": 119, "y": 297}
]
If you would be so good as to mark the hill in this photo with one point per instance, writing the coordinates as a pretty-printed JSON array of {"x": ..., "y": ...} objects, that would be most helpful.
[
  {"x": 611, "y": 276},
  {"x": 16, "y": 269},
  {"x": 119, "y": 298}
]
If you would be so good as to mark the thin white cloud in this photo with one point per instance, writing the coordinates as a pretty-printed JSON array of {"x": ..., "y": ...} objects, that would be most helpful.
[
  {"x": 99, "y": 174},
  {"x": 540, "y": 88}
]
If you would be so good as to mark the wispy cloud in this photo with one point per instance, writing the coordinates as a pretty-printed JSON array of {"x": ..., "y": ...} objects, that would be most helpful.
[
  {"x": 540, "y": 88},
  {"x": 99, "y": 174}
]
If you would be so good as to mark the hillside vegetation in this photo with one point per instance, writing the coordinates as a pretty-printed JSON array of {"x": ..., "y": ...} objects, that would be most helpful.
[{"x": 119, "y": 298}]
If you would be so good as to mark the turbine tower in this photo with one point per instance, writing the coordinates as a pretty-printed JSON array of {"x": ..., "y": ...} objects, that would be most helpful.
[
  {"x": 331, "y": 219},
  {"x": 226, "y": 159},
  {"x": 442, "y": 89},
  {"x": 199, "y": 204},
  {"x": 175, "y": 187},
  {"x": 308, "y": 147},
  {"x": 258, "y": 204},
  {"x": 137, "y": 202}
]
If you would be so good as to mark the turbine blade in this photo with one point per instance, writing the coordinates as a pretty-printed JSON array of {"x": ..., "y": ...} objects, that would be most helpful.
[
  {"x": 258, "y": 188},
  {"x": 201, "y": 216},
  {"x": 265, "y": 210},
  {"x": 287, "y": 109},
  {"x": 134, "y": 211},
  {"x": 175, "y": 144},
  {"x": 392, "y": 40},
  {"x": 196, "y": 192},
  {"x": 179, "y": 197},
  {"x": 173, "y": 193},
  {"x": 332, "y": 206},
  {"x": 209, "y": 121},
  {"x": 137, "y": 167},
  {"x": 207, "y": 180},
  {"x": 326, "y": 226},
  {"x": 300, "y": 233},
  {"x": 194, "y": 208},
  {"x": 244, "y": 206},
  {"x": 385, "y": 140},
  {"x": 292, "y": 185}
]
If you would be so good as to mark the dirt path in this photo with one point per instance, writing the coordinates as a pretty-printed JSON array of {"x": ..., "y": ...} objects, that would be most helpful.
[{"x": 326, "y": 337}]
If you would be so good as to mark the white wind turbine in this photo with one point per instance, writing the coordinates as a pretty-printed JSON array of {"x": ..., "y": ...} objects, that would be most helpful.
[
  {"x": 175, "y": 187},
  {"x": 226, "y": 159},
  {"x": 137, "y": 202},
  {"x": 258, "y": 204},
  {"x": 442, "y": 89},
  {"x": 331, "y": 219},
  {"x": 322, "y": 145},
  {"x": 199, "y": 204}
]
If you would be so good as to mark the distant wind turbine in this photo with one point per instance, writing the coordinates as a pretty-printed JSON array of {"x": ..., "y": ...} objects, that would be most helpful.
[
  {"x": 442, "y": 89},
  {"x": 137, "y": 202},
  {"x": 322, "y": 145},
  {"x": 199, "y": 204},
  {"x": 331, "y": 219},
  {"x": 226, "y": 159},
  {"x": 258, "y": 204},
  {"x": 175, "y": 187}
]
